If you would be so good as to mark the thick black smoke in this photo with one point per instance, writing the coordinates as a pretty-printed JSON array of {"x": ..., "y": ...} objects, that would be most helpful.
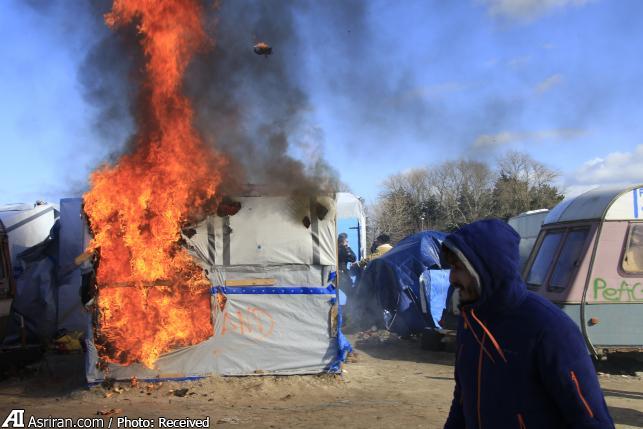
[
  {"x": 257, "y": 110},
  {"x": 250, "y": 108},
  {"x": 253, "y": 108}
]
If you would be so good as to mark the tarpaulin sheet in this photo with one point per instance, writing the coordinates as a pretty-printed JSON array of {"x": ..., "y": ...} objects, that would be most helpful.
[
  {"x": 254, "y": 334},
  {"x": 280, "y": 316},
  {"x": 389, "y": 292},
  {"x": 32, "y": 243},
  {"x": 74, "y": 238}
]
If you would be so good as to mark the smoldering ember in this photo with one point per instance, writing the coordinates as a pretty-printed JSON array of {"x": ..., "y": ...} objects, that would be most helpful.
[{"x": 303, "y": 214}]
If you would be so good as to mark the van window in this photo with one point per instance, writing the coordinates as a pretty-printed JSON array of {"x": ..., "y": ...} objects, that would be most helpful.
[
  {"x": 633, "y": 255},
  {"x": 546, "y": 253},
  {"x": 569, "y": 258}
]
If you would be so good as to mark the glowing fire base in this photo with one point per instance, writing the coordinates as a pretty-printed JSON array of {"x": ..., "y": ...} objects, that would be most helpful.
[{"x": 273, "y": 309}]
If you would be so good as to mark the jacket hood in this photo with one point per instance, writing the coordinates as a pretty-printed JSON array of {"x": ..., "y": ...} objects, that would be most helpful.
[{"x": 491, "y": 248}]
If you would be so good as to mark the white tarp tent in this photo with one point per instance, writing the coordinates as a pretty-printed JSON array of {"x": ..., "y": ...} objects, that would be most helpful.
[
  {"x": 273, "y": 260},
  {"x": 28, "y": 261},
  {"x": 26, "y": 225}
]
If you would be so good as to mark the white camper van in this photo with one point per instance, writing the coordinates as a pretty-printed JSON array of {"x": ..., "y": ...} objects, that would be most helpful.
[{"x": 588, "y": 259}]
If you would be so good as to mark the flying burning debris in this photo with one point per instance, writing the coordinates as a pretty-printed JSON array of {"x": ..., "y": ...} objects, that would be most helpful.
[
  {"x": 262, "y": 48},
  {"x": 151, "y": 296}
]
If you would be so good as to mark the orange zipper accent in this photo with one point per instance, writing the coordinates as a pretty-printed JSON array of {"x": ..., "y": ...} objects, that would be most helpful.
[
  {"x": 521, "y": 422},
  {"x": 475, "y": 336},
  {"x": 491, "y": 337},
  {"x": 582, "y": 398}
]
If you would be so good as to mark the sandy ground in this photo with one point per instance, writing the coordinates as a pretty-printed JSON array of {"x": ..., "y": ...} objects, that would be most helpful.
[{"x": 390, "y": 383}]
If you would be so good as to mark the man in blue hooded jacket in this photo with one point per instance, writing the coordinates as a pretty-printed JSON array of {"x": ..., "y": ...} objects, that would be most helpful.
[{"x": 521, "y": 362}]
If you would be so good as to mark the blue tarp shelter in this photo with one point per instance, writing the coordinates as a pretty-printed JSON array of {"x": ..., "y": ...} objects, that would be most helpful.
[{"x": 404, "y": 290}]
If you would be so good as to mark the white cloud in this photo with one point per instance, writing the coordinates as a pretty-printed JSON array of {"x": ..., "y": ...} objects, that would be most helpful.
[
  {"x": 507, "y": 137},
  {"x": 615, "y": 168},
  {"x": 549, "y": 83},
  {"x": 527, "y": 9}
]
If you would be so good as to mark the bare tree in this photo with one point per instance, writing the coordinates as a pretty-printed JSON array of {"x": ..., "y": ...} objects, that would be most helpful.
[
  {"x": 463, "y": 189},
  {"x": 399, "y": 208},
  {"x": 454, "y": 193},
  {"x": 523, "y": 184}
]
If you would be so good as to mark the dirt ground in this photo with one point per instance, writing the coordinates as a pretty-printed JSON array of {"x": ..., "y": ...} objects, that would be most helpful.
[{"x": 390, "y": 383}]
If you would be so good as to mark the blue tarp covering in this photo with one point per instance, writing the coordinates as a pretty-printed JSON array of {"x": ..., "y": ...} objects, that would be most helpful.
[{"x": 390, "y": 292}]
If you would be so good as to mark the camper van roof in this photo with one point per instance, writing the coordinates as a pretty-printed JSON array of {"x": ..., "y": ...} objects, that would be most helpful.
[{"x": 590, "y": 205}]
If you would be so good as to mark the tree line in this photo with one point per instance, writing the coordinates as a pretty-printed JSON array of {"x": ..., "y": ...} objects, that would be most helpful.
[{"x": 453, "y": 193}]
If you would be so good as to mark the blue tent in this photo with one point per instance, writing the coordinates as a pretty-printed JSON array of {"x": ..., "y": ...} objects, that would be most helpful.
[{"x": 404, "y": 290}]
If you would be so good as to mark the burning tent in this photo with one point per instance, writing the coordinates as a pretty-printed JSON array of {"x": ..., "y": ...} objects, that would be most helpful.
[
  {"x": 180, "y": 291},
  {"x": 270, "y": 307}
]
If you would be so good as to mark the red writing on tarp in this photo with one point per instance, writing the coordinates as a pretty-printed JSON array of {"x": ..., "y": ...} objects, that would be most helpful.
[{"x": 251, "y": 321}]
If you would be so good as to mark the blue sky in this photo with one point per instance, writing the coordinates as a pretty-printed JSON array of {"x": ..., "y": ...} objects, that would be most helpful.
[{"x": 408, "y": 84}]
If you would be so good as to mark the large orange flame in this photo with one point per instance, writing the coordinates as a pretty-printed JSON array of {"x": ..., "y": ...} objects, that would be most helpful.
[{"x": 151, "y": 296}]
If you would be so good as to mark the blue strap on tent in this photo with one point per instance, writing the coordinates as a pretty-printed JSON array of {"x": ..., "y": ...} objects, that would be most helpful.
[{"x": 273, "y": 290}]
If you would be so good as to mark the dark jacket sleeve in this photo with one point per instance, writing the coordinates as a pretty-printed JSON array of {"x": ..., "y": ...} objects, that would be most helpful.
[
  {"x": 346, "y": 254},
  {"x": 567, "y": 372}
]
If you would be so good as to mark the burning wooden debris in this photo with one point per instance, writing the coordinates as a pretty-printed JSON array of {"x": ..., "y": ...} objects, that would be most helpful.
[{"x": 262, "y": 48}]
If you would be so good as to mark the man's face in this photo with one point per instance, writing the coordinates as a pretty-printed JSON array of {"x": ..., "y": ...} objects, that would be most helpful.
[{"x": 463, "y": 281}]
